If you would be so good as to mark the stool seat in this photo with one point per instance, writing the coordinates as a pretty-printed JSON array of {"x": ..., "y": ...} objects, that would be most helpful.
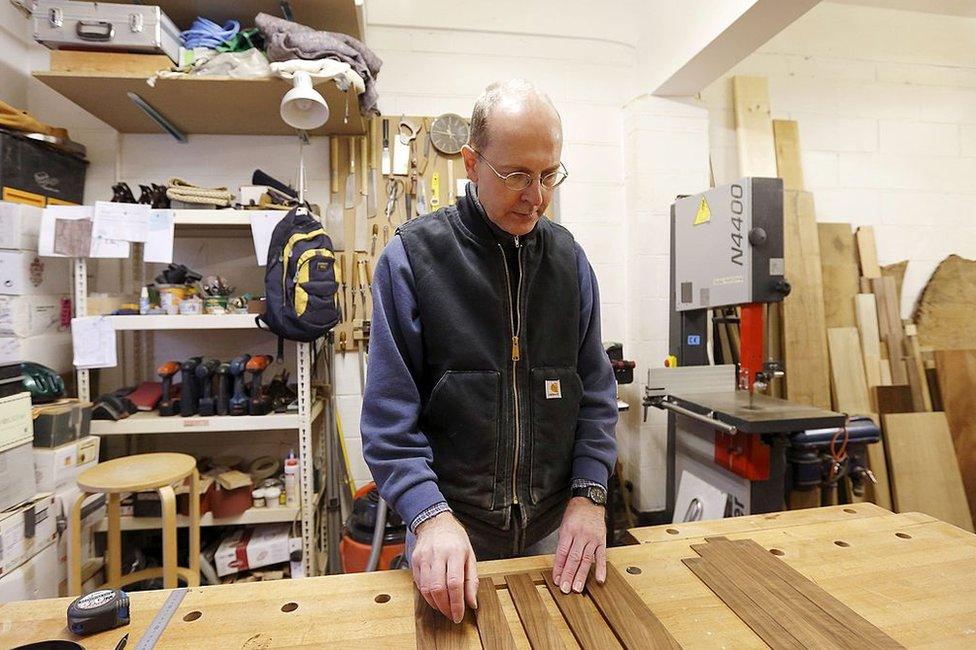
[{"x": 136, "y": 473}]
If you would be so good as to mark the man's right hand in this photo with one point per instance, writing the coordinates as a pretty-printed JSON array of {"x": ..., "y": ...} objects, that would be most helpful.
[{"x": 444, "y": 567}]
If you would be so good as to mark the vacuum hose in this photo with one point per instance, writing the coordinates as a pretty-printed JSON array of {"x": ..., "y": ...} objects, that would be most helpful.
[{"x": 379, "y": 530}]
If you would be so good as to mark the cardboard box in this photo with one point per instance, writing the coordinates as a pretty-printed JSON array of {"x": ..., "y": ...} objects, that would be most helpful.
[
  {"x": 251, "y": 548},
  {"x": 34, "y": 315},
  {"x": 19, "y": 226},
  {"x": 17, "y": 476},
  {"x": 36, "y": 578},
  {"x": 59, "y": 423},
  {"x": 23, "y": 273},
  {"x": 25, "y": 531},
  {"x": 16, "y": 425},
  {"x": 59, "y": 467},
  {"x": 51, "y": 350}
]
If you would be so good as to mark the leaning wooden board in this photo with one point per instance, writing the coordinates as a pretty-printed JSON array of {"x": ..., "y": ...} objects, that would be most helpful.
[
  {"x": 908, "y": 574},
  {"x": 957, "y": 386}
]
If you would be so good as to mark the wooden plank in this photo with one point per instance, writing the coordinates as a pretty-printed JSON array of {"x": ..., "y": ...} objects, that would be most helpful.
[
  {"x": 924, "y": 473},
  {"x": 753, "y": 126},
  {"x": 804, "y": 331},
  {"x": 850, "y": 388},
  {"x": 767, "y": 564},
  {"x": 766, "y": 626},
  {"x": 890, "y": 327},
  {"x": 838, "y": 260},
  {"x": 111, "y": 62},
  {"x": 878, "y": 493},
  {"x": 946, "y": 310},
  {"x": 866, "y": 312},
  {"x": 920, "y": 386},
  {"x": 786, "y": 138},
  {"x": 867, "y": 252},
  {"x": 634, "y": 623},
  {"x": 957, "y": 388},
  {"x": 893, "y": 399},
  {"x": 896, "y": 271},
  {"x": 589, "y": 628},
  {"x": 434, "y": 630},
  {"x": 492, "y": 627},
  {"x": 532, "y": 611}
]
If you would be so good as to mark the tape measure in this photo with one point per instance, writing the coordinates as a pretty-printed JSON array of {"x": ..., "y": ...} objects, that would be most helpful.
[{"x": 98, "y": 611}]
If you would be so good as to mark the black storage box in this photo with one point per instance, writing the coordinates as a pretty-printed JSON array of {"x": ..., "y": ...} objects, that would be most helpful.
[
  {"x": 57, "y": 424},
  {"x": 39, "y": 169}
]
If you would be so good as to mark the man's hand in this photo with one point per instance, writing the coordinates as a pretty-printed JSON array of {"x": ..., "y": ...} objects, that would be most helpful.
[
  {"x": 444, "y": 567},
  {"x": 582, "y": 540}
]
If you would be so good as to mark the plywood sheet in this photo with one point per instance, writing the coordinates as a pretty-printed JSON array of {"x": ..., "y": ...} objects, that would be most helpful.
[
  {"x": 957, "y": 388},
  {"x": 786, "y": 137},
  {"x": 838, "y": 260},
  {"x": 850, "y": 388},
  {"x": 804, "y": 331},
  {"x": 924, "y": 473},
  {"x": 753, "y": 126},
  {"x": 946, "y": 310}
]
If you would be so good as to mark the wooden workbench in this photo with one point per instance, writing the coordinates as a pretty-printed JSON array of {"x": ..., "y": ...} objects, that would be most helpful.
[{"x": 909, "y": 574}]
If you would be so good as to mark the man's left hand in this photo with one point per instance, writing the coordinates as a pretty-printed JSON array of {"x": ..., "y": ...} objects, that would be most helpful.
[{"x": 582, "y": 542}]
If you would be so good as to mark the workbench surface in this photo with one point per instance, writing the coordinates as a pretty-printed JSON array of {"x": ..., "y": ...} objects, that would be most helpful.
[{"x": 909, "y": 574}]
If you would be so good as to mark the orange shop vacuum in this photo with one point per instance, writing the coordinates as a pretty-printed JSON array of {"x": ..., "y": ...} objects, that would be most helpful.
[{"x": 357, "y": 535}]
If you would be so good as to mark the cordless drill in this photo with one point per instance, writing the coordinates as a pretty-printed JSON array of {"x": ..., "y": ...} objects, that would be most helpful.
[
  {"x": 260, "y": 404},
  {"x": 238, "y": 401},
  {"x": 223, "y": 389},
  {"x": 167, "y": 405},
  {"x": 205, "y": 374},
  {"x": 190, "y": 397}
]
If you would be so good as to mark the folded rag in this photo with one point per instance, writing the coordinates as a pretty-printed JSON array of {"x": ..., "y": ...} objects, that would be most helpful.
[
  {"x": 286, "y": 40},
  {"x": 180, "y": 190}
]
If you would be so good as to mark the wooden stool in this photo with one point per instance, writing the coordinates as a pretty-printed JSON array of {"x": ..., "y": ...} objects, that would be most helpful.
[{"x": 135, "y": 474}]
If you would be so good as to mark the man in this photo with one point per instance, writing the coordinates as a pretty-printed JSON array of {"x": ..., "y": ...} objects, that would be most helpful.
[{"x": 490, "y": 403}]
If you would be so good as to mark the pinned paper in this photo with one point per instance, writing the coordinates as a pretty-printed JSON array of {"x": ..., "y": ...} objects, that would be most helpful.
[
  {"x": 704, "y": 214},
  {"x": 49, "y": 219},
  {"x": 93, "y": 339},
  {"x": 72, "y": 237},
  {"x": 263, "y": 223},
  {"x": 121, "y": 221},
  {"x": 159, "y": 244}
]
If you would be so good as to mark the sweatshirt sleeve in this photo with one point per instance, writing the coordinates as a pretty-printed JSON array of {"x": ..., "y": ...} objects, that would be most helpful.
[
  {"x": 397, "y": 452},
  {"x": 595, "y": 452}
]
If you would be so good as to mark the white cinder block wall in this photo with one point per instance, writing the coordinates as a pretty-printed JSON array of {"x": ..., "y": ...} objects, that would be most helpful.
[{"x": 886, "y": 106}]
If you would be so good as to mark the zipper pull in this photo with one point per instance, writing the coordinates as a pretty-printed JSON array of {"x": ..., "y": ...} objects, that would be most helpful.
[
  {"x": 516, "y": 354},
  {"x": 516, "y": 241}
]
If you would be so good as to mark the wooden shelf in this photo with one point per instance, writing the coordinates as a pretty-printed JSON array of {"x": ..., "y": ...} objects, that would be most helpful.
[
  {"x": 151, "y": 422},
  {"x": 183, "y": 322},
  {"x": 344, "y": 16},
  {"x": 249, "y": 516},
  {"x": 199, "y": 105},
  {"x": 224, "y": 217}
]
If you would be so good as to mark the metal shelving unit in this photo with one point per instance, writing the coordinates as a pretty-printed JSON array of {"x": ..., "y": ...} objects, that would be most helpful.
[{"x": 302, "y": 420}]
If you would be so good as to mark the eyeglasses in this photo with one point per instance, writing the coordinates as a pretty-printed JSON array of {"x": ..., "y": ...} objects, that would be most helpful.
[{"x": 518, "y": 181}]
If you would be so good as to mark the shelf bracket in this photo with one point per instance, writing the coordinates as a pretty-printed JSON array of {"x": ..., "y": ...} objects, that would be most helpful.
[{"x": 157, "y": 117}]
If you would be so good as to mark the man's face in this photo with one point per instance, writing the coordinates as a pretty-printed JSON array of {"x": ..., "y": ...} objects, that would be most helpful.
[{"x": 525, "y": 137}]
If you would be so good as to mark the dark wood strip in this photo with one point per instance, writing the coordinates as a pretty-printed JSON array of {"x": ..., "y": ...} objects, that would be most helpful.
[
  {"x": 631, "y": 619},
  {"x": 533, "y": 613},
  {"x": 584, "y": 620},
  {"x": 434, "y": 630},
  {"x": 759, "y": 621},
  {"x": 867, "y": 632},
  {"x": 492, "y": 626}
]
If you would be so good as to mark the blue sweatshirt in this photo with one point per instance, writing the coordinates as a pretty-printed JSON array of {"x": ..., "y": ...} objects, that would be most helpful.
[{"x": 398, "y": 453}]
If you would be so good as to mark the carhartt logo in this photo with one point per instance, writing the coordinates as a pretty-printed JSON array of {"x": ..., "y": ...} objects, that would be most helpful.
[{"x": 553, "y": 389}]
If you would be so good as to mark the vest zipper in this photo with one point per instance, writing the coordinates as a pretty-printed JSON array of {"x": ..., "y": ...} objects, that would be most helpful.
[{"x": 516, "y": 323}]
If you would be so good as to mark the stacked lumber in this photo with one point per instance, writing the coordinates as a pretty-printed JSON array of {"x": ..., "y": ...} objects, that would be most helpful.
[{"x": 843, "y": 341}]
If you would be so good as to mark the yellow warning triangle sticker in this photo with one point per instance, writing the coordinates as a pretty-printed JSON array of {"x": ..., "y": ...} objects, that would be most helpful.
[{"x": 704, "y": 214}]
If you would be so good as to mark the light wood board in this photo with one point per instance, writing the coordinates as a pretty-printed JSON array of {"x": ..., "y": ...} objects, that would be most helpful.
[
  {"x": 866, "y": 312},
  {"x": 896, "y": 271},
  {"x": 787, "y": 140},
  {"x": 850, "y": 388},
  {"x": 804, "y": 332},
  {"x": 890, "y": 326},
  {"x": 924, "y": 473},
  {"x": 878, "y": 493},
  {"x": 867, "y": 252},
  {"x": 753, "y": 126},
  {"x": 957, "y": 388},
  {"x": 838, "y": 260}
]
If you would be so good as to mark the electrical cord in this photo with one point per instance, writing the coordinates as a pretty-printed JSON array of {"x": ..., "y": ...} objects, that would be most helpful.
[{"x": 208, "y": 34}]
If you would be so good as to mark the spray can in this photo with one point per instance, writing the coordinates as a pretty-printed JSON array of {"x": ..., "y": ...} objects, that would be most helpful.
[{"x": 291, "y": 480}]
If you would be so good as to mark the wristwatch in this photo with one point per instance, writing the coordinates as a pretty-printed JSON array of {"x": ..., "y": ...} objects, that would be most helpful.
[{"x": 594, "y": 493}]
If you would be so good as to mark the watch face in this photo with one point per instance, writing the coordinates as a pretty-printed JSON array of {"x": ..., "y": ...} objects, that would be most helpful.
[
  {"x": 597, "y": 495},
  {"x": 448, "y": 133}
]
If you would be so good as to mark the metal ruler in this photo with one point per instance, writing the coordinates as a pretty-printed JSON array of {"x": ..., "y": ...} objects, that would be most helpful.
[{"x": 159, "y": 623}]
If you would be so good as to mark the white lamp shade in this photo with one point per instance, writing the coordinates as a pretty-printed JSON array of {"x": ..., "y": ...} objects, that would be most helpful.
[{"x": 303, "y": 107}]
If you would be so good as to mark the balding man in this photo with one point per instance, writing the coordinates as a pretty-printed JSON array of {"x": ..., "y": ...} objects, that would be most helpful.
[{"x": 490, "y": 403}]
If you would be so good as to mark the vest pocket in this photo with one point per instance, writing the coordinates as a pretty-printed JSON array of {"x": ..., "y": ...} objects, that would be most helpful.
[
  {"x": 554, "y": 403},
  {"x": 462, "y": 422}
]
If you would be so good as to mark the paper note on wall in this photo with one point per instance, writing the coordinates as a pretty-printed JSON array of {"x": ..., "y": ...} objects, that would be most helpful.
[
  {"x": 49, "y": 219},
  {"x": 93, "y": 339},
  {"x": 121, "y": 221},
  {"x": 263, "y": 223},
  {"x": 72, "y": 237},
  {"x": 159, "y": 245}
]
